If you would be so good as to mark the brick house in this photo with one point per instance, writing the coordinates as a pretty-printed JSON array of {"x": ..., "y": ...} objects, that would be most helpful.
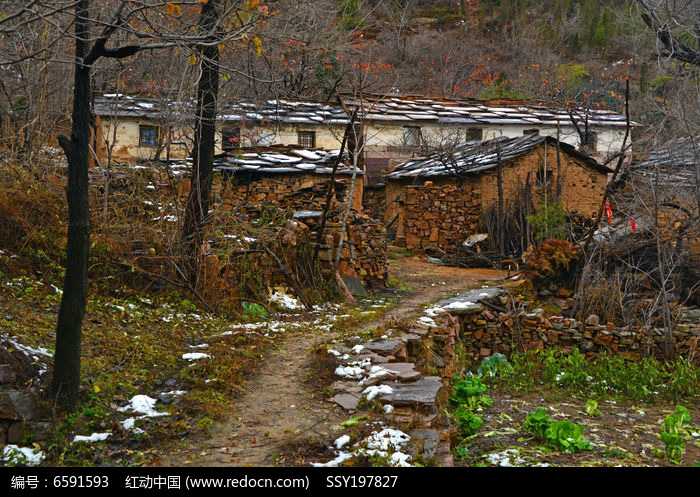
[
  {"x": 402, "y": 127},
  {"x": 438, "y": 200}
]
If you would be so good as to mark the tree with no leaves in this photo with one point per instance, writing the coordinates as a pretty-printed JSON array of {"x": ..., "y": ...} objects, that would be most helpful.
[{"x": 138, "y": 26}]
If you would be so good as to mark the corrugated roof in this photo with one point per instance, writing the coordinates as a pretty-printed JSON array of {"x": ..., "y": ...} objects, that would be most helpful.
[
  {"x": 476, "y": 156},
  {"x": 423, "y": 109}
]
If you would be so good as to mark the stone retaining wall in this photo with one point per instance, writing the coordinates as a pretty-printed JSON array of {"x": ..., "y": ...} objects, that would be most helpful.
[{"x": 485, "y": 332}]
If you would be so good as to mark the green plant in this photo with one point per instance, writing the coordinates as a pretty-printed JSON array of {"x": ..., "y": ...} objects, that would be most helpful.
[
  {"x": 253, "y": 310},
  {"x": 468, "y": 422},
  {"x": 549, "y": 221},
  {"x": 567, "y": 436},
  {"x": 495, "y": 365},
  {"x": 592, "y": 408},
  {"x": 468, "y": 392},
  {"x": 538, "y": 423},
  {"x": 674, "y": 429}
]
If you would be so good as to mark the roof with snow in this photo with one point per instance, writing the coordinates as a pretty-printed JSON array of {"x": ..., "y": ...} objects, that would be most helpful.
[
  {"x": 262, "y": 112},
  {"x": 285, "y": 160},
  {"x": 673, "y": 163},
  {"x": 418, "y": 109},
  {"x": 476, "y": 156}
]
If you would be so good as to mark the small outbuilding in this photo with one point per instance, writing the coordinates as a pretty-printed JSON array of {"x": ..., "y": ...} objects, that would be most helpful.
[{"x": 438, "y": 201}]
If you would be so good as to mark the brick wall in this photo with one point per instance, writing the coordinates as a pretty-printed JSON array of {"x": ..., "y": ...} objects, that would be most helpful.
[{"x": 582, "y": 186}]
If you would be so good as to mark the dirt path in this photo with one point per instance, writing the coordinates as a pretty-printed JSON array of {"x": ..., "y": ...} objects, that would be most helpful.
[{"x": 279, "y": 406}]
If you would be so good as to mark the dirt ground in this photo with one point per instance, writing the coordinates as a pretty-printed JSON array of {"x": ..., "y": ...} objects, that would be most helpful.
[
  {"x": 280, "y": 406},
  {"x": 283, "y": 417}
]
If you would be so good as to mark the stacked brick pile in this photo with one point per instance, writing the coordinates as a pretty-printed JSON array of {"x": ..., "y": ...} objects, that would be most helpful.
[{"x": 440, "y": 216}]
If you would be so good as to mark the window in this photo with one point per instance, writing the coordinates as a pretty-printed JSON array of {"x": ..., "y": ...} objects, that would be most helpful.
[
  {"x": 148, "y": 136},
  {"x": 412, "y": 136},
  {"x": 307, "y": 139},
  {"x": 230, "y": 138},
  {"x": 544, "y": 176},
  {"x": 531, "y": 132},
  {"x": 475, "y": 134}
]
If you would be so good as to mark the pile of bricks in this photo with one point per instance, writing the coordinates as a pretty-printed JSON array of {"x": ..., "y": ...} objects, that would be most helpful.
[{"x": 440, "y": 216}]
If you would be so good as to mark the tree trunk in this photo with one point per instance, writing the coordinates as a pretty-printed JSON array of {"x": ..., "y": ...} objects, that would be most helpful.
[
  {"x": 66, "y": 375},
  {"x": 199, "y": 198}
]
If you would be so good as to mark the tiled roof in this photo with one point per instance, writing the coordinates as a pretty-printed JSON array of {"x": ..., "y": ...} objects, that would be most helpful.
[
  {"x": 278, "y": 111},
  {"x": 277, "y": 161},
  {"x": 673, "y": 163},
  {"x": 476, "y": 156},
  {"x": 454, "y": 111}
]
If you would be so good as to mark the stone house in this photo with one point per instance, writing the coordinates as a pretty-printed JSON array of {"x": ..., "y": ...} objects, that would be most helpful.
[
  {"x": 437, "y": 201},
  {"x": 287, "y": 177},
  {"x": 401, "y": 127},
  {"x": 140, "y": 129},
  {"x": 660, "y": 193}
]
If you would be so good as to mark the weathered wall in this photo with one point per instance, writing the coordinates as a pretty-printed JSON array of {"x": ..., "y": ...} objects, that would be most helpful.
[
  {"x": 442, "y": 215},
  {"x": 126, "y": 145},
  {"x": 582, "y": 186},
  {"x": 483, "y": 333},
  {"x": 382, "y": 137},
  {"x": 294, "y": 191}
]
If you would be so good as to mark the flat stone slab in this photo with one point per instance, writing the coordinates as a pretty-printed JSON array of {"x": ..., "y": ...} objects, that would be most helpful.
[
  {"x": 347, "y": 401},
  {"x": 412, "y": 337},
  {"x": 351, "y": 387},
  {"x": 468, "y": 302},
  {"x": 384, "y": 347},
  {"x": 355, "y": 286},
  {"x": 423, "y": 391},
  {"x": 372, "y": 356},
  {"x": 419, "y": 331},
  {"x": 403, "y": 371}
]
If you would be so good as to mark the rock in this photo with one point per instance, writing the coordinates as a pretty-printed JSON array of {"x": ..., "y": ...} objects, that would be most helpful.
[
  {"x": 422, "y": 392},
  {"x": 347, "y": 401},
  {"x": 385, "y": 347},
  {"x": 16, "y": 405},
  {"x": 427, "y": 442},
  {"x": 403, "y": 371},
  {"x": 355, "y": 286},
  {"x": 347, "y": 387},
  {"x": 7, "y": 375},
  {"x": 592, "y": 320}
]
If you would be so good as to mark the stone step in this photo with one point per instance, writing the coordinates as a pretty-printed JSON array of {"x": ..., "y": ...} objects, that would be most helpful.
[{"x": 421, "y": 392}]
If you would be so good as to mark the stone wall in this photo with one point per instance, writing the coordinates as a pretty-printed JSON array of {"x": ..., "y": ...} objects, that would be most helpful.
[
  {"x": 440, "y": 216},
  {"x": 485, "y": 332},
  {"x": 365, "y": 250}
]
